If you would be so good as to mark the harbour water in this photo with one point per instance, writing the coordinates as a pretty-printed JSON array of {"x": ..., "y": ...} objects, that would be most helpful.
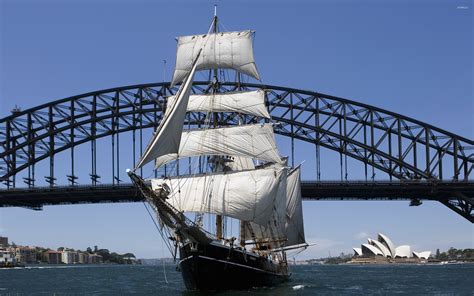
[{"x": 306, "y": 280}]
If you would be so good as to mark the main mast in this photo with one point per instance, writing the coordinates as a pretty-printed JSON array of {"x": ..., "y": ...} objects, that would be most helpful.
[{"x": 215, "y": 88}]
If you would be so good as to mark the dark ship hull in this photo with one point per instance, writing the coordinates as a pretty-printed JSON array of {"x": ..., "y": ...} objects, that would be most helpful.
[
  {"x": 217, "y": 267},
  {"x": 207, "y": 264}
]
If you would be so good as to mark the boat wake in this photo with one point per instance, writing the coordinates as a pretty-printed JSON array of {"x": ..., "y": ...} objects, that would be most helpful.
[{"x": 298, "y": 287}]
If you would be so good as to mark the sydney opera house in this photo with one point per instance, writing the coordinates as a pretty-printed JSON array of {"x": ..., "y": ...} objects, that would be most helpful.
[{"x": 385, "y": 250}]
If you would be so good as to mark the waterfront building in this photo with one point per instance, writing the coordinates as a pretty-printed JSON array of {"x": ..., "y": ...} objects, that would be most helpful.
[
  {"x": 52, "y": 257},
  {"x": 82, "y": 257},
  {"x": 69, "y": 257},
  {"x": 3, "y": 241},
  {"x": 25, "y": 255},
  {"x": 7, "y": 258},
  {"x": 95, "y": 259}
]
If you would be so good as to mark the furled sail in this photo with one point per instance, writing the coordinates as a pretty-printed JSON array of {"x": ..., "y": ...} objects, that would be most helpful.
[
  {"x": 231, "y": 50},
  {"x": 250, "y": 102},
  {"x": 256, "y": 141},
  {"x": 244, "y": 195},
  {"x": 294, "y": 228},
  {"x": 167, "y": 138}
]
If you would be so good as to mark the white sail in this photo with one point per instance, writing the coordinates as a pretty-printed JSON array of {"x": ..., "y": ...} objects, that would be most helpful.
[
  {"x": 231, "y": 50},
  {"x": 167, "y": 138},
  {"x": 245, "y": 195},
  {"x": 240, "y": 163},
  {"x": 251, "y": 102},
  {"x": 294, "y": 228},
  {"x": 275, "y": 229},
  {"x": 256, "y": 141},
  {"x": 287, "y": 224}
]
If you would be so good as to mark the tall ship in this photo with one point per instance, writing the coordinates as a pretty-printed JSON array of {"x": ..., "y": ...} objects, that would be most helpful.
[{"x": 230, "y": 220}]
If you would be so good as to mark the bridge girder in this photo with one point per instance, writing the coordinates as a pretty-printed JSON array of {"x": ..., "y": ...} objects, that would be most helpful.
[
  {"x": 402, "y": 147},
  {"x": 36, "y": 198}
]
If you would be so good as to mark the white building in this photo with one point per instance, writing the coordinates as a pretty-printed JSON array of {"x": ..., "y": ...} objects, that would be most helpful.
[
  {"x": 384, "y": 247},
  {"x": 25, "y": 255},
  {"x": 68, "y": 257},
  {"x": 83, "y": 258},
  {"x": 7, "y": 258}
]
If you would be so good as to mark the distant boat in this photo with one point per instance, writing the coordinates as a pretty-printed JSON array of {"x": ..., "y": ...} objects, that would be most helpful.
[
  {"x": 238, "y": 176},
  {"x": 451, "y": 262},
  {"x": 11, "y": 265}
]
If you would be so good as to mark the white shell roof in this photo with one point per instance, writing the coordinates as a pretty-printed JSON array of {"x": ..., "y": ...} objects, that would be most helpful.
[
  {"x": 403, "y": 251},
  {"x": 382, "y": 248},
  {"x": 422, "y": 255},
  {"x": 385, "y": 247},
  {"x": 370, "y": 250},
  {"x": 388, "y": 243},
  {"x": 357, "y": 251}
]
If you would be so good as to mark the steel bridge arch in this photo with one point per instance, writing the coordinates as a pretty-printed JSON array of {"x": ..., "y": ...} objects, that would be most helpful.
[{"x": 379, "y": 138}]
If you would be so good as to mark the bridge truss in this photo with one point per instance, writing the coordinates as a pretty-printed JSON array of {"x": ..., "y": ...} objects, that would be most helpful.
[{"x": 402, "y": 148}]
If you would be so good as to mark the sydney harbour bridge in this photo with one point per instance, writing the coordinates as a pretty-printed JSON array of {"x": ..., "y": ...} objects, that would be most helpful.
[{"x": 412, "y": 160}]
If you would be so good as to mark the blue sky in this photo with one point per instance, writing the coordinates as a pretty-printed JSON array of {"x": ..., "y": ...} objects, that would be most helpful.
[{"x": 410, "y": 57}]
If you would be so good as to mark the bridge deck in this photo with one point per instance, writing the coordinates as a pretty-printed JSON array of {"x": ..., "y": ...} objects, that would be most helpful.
[{"x": 311, "y": 190}]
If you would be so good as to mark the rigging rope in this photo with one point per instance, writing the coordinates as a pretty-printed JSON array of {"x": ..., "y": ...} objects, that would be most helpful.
[
  {"x": 160, "y": 231},
  {"x": 163, "y": 240},
  {"x": 163, "y": 261}
]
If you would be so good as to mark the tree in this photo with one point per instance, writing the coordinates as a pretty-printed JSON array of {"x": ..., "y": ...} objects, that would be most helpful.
[
  {"x": 452, "y": 252},
  {"x": 89, "y": 250},
  {"x": 96, "y": 249},
  {"x": 443, "y": 256},
  {"x": 40, "y": 254},
  {"x": 437, "y": 254},
  {"x": 468, "y": 253},
  {"x": 105, "y": 254}
]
